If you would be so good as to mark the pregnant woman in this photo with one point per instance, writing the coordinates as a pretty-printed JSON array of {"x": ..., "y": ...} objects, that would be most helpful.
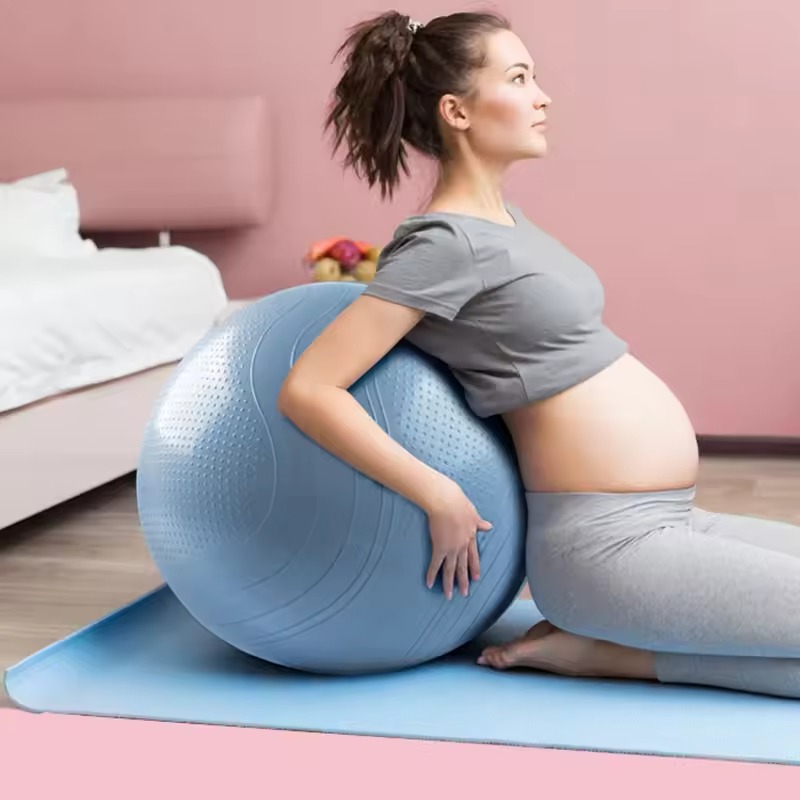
[{"x": 634, "y": 581}]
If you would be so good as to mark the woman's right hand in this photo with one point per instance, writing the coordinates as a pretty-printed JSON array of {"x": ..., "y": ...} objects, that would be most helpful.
[{"x": 453, "y": 523}]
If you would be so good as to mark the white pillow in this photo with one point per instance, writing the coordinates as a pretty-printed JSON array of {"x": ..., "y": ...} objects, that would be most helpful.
[{"x": 40, "y": 215}]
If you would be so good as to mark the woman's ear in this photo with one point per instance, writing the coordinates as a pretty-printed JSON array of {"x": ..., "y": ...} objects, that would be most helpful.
[{"x": 453, "y": 112}]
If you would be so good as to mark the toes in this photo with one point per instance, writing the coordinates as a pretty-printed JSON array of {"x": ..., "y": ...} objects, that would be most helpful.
[
  {"x": 518, "y": 652},
  {"x": 503, "y": 657},
  {"x": 522, "y": 652},
  {"x": 493, "y": 657}
]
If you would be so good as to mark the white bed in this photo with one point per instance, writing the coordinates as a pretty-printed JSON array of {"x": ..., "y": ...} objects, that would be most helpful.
[
  {"x": 88, "y": 335},
  {"x": 77, "y": 322}
]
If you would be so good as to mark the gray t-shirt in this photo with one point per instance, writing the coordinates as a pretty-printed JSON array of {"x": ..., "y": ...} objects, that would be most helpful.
[{"x": 513, "y": 314}]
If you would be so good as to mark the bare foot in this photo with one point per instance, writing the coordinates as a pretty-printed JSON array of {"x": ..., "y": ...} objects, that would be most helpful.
[{"x": 545, "y": 647}]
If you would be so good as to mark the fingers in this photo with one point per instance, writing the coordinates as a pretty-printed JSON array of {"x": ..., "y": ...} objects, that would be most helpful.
[
  {"x": 433, "y": 569},
  {"x": 462, "y": 570},
  {"x": 474, "y": 560},
  {"x": 457, "y": 569},
  {"x": 448, "y": 576}
]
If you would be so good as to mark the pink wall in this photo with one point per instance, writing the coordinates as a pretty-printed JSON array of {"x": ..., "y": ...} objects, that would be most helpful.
[{"x": 674, "y": 164}]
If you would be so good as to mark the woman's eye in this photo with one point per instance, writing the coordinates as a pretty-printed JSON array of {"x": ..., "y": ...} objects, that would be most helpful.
[{"x": 520, "y": 77}]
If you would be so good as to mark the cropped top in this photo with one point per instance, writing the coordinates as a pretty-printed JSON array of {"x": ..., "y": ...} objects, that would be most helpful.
[{"x": 514, "y": 315}]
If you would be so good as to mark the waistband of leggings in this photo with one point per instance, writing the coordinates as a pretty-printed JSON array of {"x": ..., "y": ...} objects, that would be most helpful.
[
  {"x": 680, "y": 493},
  {"x": 600, "y": 510}
]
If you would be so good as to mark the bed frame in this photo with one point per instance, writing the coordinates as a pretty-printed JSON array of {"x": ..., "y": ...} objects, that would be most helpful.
[{"x": 140, "y": 164}]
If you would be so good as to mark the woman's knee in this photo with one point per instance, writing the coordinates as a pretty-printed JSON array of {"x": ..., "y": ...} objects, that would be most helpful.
[
  {"x": 569, "y": 612},
  {"x": 587, "y": 596},
  {"x": 561, "y": 596}
]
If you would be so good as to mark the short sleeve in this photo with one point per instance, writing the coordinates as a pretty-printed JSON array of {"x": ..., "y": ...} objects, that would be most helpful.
[{"x": 431, "y": 268}]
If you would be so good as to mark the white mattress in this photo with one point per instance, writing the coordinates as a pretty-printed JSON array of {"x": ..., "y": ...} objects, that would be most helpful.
[{"x": 67, "y": 323}]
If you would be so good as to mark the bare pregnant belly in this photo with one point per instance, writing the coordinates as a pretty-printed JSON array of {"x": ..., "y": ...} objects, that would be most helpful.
[{"x": 621, "y": 430}]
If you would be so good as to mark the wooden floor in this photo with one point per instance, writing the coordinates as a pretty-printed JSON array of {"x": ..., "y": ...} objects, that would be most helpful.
[{"x": 68, "y": 566}]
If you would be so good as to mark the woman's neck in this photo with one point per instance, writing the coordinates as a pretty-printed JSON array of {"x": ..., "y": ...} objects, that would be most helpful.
[{"x": 470, "y": 188}]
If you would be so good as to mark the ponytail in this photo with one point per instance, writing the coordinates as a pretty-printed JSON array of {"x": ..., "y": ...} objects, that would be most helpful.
[
  {"x": 369, "y": 108},
  {"x": 395, "y": 72}
]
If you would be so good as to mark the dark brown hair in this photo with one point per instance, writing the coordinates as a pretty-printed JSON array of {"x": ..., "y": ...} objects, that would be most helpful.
[{"x": 392, "y": 82}]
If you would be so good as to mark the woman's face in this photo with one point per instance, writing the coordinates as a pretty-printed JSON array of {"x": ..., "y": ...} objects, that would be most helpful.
[{"x": 502, "y": 119}]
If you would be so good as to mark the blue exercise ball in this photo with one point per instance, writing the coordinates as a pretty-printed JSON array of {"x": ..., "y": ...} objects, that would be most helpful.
[{"x": 286, "y": 552}]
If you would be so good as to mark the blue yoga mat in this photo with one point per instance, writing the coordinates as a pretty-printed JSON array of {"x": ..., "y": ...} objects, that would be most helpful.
[{"x": 151, "y": 660}]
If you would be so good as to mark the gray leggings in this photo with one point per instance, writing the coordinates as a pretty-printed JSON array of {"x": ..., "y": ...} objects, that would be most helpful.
[{"x": 715, "y": 596}]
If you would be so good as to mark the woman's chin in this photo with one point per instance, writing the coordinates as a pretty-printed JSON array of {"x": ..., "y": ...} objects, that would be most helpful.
[{"x": 536, "y": 150}]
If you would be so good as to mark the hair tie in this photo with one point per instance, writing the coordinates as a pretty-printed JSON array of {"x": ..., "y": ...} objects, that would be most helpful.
[{"x": 414, "y": 26}]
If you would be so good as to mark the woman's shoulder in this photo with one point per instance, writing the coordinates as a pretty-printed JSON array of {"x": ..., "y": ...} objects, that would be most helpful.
[
  {"x": 429, "y": 264},
  {"x": 431, "y": 231}
]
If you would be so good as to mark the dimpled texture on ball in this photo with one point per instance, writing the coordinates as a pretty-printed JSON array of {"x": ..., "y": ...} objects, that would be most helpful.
[{"x": 286, "y": 552}]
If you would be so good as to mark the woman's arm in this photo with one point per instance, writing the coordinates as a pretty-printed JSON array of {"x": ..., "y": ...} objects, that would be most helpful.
[{"x": 315, "y": 397}]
